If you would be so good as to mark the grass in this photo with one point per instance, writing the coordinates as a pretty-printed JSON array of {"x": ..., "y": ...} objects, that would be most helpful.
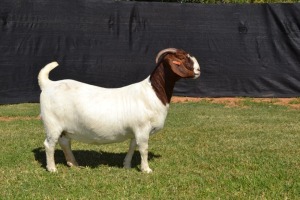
[
  {"x": 205, "y": 151},
  {"x": 295, "y": 101}
]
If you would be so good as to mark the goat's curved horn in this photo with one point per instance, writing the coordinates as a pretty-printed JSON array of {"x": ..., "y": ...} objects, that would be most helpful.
[{"x": 162, "y": 52}]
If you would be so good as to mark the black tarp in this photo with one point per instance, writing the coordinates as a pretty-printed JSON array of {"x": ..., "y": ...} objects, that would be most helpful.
[{"x": 243, "y": 49}]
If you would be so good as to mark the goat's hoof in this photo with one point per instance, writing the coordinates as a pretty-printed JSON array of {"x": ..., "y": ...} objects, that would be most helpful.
[
  {"x": 72, "y": 164},
  {"x": 52, "y": 169},
  {"x": 148, "y": 170},
  {"x": 127, "y": 166}
]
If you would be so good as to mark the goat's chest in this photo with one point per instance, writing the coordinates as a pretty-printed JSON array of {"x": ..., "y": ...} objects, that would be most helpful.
[{"x": 157, "y": 122}]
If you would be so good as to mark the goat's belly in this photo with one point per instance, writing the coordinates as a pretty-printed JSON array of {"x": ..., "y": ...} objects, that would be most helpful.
[{"x": 99, "y": 138}]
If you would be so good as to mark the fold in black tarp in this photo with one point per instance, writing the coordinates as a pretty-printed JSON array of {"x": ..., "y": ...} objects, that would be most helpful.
[{"x": 244, "y": 50}]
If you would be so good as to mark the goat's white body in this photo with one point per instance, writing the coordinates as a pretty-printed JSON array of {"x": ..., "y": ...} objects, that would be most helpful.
[
  {"x": 91, "y": 114},
  {"x": 98, "y": 115}
]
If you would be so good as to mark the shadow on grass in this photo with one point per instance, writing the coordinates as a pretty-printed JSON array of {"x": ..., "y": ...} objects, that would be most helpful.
[{"x": 92, "y": 159}]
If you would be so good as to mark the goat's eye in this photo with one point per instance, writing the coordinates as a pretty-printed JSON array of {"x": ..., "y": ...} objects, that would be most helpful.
[{"x": 189, "y": 64}]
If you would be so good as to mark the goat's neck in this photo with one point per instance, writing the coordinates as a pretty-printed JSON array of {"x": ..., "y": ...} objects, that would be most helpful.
[{"x": 163, "y": 80}]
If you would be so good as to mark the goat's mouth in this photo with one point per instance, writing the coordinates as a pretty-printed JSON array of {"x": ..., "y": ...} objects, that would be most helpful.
[{"x": 196, "y": 75}]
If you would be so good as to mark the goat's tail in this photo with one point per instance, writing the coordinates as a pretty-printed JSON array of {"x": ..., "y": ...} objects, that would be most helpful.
[{"x": 43, "y": 76}]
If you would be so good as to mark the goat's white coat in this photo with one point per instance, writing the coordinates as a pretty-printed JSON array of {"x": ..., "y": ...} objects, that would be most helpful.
[
  {"x": 91, "y": 114},
  {"x": 98, "y": 115}
]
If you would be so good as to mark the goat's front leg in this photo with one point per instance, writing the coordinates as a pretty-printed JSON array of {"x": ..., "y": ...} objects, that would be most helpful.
[
  {"x": 128, "y": 158},
  {"x": 143, "y": 148},
  {"x": 142, "y": 142}
]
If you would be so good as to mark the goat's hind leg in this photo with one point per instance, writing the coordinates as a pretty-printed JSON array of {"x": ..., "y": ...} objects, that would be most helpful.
[
  {"x": 50, "y": 148},
  {"x": 65, "y": 144}
]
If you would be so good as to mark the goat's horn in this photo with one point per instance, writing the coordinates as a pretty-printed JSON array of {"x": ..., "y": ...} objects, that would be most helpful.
[{"x": 162, "y": 52}]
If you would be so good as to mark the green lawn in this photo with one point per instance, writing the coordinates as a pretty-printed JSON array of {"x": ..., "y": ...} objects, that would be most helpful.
[{"x": 205, "y": 151}]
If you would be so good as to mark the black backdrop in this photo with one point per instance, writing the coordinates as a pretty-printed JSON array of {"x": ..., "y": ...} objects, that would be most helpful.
[{"x": 243, "y": 50}]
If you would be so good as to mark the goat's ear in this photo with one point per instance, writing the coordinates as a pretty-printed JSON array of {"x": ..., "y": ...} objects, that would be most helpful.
[
  {"x": 179, "y": 69},
  {"x": 176, "y": 62}
]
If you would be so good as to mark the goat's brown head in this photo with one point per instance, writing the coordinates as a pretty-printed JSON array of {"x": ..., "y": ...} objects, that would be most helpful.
[
  {"x": 180, "y": 62},
  {"x": 172, "y": 64}
]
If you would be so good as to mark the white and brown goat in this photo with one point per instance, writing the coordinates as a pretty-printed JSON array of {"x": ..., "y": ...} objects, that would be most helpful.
[{"x": 91, "y": 114}]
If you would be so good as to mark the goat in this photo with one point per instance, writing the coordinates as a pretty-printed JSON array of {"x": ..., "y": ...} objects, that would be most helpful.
[{"x": 96, "y": 115}]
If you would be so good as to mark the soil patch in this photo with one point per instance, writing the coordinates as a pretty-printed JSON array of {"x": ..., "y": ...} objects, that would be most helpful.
[{"x": 236, "y": 101}]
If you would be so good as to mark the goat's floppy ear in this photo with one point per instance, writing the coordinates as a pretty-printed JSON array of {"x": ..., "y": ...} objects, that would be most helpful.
[
  {"x": 176, "y": 62},
  {"x": 179, "y": 69}
]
